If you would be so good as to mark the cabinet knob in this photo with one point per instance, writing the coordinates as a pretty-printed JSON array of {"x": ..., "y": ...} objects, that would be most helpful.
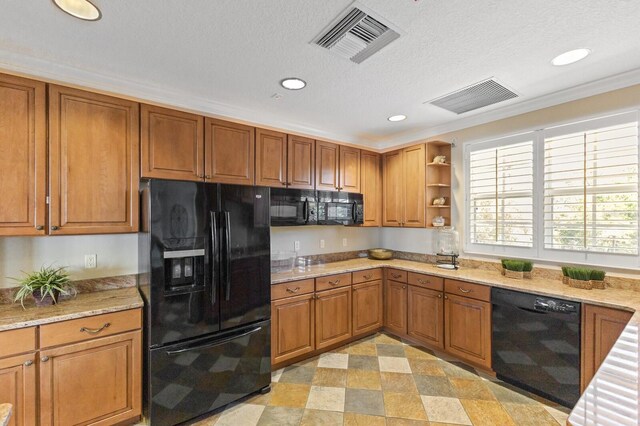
[
  {"x": 39, "y": 228},
  {"x": 207, "y": 176},
  {"x": 284, "y": 183},
  {"x": 28, "y": 363},
  {"x": 54, "y": 228},
  {"x": 404, "y": 286},
  {"x": 200, "y": 176},
  {"x": 439, "y": 296},
  {"x": 446, "y": 297},
  {"x": 44, "y": 359}
]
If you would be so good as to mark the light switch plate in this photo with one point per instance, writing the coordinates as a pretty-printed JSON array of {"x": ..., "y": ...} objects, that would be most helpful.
[
  {"x": 321, "y": 243},
  {"x": 344, "y": 242},
  {"x": 296, "y": 245}
]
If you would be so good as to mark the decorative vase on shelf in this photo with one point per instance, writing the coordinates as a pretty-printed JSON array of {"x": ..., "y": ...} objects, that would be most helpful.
[{"x": 438, "y": 221}]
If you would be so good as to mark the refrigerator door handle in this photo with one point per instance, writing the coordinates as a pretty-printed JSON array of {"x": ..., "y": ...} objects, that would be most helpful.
[
  {"x": 214, "y": 252},
  {"x": 214, "y": 343},
  {"x": 227, "y": 260}
]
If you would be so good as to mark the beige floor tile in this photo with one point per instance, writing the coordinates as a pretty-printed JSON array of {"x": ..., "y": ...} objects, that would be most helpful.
[
  {"x": 310, "y": 362},
  {"x": 208, "y": 421},
  {"x": 445, "y": 410},
  {"x": 275, "y": 375},
  {"x": 326, "y": 398},
  {"x": 354, "y": 419},
  {"x": 403, "y": 405},
  {"x": 426, "y": 367},
  {"x": 321, "y": 418},
  {"x": 387, "y": 339},
  {"x": 486, "y": 413},
  {"x": 471, "y": 389},
  {"x": 394, "y": 421},
  {"x": 363, "y": 379},
  {"x": 289, "y": 395},
  {"x": 561, "y": 414},
  {"x": 413, "y": 352},
  {"x": 334, "y": 360},
  {"x": 398, "y": 382},
  {"x": 363, "y": 349},
  {"x": 394, "y": 364},
  {"x": 336, "y": 377},
  {"x": 529, "y": 414},
  {"x": 259, "y": 398},
  {"x": 281, "y": 416},
  {"x": 242, "y": 414}
]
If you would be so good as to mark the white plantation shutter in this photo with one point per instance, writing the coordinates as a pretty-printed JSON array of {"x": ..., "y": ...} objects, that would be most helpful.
[
  {"x": 591, "y": 186},
  {"x": 500, "y": 193}
]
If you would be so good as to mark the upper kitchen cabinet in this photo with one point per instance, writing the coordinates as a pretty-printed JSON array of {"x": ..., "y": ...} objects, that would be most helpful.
[
  {"x": 300, "y": 162},
  {"x": 413, "y": 170},
  {"x": 94, "y": 162},
  {"x": 349, "y": 169},
  {"x": 271, "y": 158},
  {"x": 171, "y": 144},
  {"x": 371, "y": 187},
  {"x": 327, "y": 158},
  {"x": 23, "y": 145},
  {"x": 229, "y": 152}
]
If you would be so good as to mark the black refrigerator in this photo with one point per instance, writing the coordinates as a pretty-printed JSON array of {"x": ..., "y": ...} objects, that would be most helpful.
[{"x": 204, "y": 275}]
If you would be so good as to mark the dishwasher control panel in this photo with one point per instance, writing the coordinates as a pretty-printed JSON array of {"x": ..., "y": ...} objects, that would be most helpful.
[{"x": 551, "y": 305}]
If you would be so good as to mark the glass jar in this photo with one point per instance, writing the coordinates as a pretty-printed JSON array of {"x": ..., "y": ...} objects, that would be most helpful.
[{"x": 447, "y": 241}]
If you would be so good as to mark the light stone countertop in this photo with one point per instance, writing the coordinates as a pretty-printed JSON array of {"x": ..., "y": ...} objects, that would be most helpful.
[
  {"x": 13, "y": 316},
  {"x": 612, "y": 397},
  {"x": 5, "y": 414}
]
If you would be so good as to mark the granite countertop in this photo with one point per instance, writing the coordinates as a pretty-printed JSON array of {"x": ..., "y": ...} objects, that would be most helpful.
[
  {"x": 5, "y": 414},
  {"x": 612, "y": 397},
  {"x": 12, "y": 315}
]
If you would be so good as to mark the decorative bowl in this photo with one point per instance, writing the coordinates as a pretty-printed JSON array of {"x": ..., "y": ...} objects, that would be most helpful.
[{"x": 380, "y": 254}]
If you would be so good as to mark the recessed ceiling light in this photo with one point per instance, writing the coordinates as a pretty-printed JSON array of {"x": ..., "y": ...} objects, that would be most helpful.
[
  {"x": 399, "y": 117},
  {"x": 293, "y": 83},
  {"x": 82, "y": 9},
  {"x": 570, "y": 57}
]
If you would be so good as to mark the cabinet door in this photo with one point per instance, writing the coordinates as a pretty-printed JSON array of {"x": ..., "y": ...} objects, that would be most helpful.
[
  {"x": 349, "y": 169},
  {"x": 171, "y": 144},
  {"x": 301, "y": 154},
  {"x": 94, "y": 162},
  {"x": 426, "y": 316},
  {"x": 23, "y": 149},
  {"x": 601, "y": 327},
  {"x": 370, "y": 185},
  {"x": 367, "y": 307},
  {"x": 292, "y": 325},
  {"x": 333, "y": 316},
  {"x": 271, "y": 158},
  {"x": 393, "y": 199},
  {"x": 229, "y": 150},
  {"x": 18, "y": 388},
  {"x": 414, "y": 182},
  {"x": 467, "y": 329},
  {"x": 396, "y": 307},
  {"x": 97, "y": 382},
  {"x": 327, "y": 157}
]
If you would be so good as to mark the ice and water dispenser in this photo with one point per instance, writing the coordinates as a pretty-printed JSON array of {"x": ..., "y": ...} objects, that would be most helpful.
[{"x": 184, "y": 270}]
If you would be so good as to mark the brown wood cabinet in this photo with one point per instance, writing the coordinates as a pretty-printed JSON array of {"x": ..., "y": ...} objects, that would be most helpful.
[
  {"x": 18, "y": 387},
  {"x": 333, "y": 316},
  {"x": 413, "y": 182},
  {"x": 367, "y": 307},
  {"x": 393, "y": 192},
  {"x": 94, "y": 162},
  {"x": 467, "y": 329},
  {"x": 327, "y": 160},
  {"x": 601, "y": 327},
  {"x": 371, "y": 187},
  {"x": 293, "y": 327},
  {"x": 271, "y": 158},
  {"x": 301, "y": 156},
  {"x": 425, "y": 321},
  {"x": 23, "y": 148},
  {"x": 395, "y": 318},
  {"x": 229, "y": 152},
  {"x": 349, "y": 169},
  {"x": 171, "y": 144}
]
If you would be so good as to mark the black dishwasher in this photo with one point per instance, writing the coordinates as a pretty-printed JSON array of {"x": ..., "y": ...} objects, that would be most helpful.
[{"x": 536, "y": 344}]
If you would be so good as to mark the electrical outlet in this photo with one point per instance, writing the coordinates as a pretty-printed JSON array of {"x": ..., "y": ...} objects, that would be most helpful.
[
  {"x": 296, "y": 245},
  {"x": 90, "y": 261},
  {"x": 321, "y": 243},
  {"x": 344, "y": 242}
]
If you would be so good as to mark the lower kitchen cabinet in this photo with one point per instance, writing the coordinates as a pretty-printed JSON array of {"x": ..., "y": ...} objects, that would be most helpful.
[
  {"x": 333, "y": 316},
  {"x": 293, "y": 327},
  {"x": 467, "y": 329},
  {"x": 367, "y": 307},
  {"x": 396, "y": 307},
  {"x": 18, "y": 387},
  {"x": 425, "y": 316},
  {"x": 601, "y": 327}
]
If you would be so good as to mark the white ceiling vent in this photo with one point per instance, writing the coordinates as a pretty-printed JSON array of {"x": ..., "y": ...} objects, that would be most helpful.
[
  {"x": 356, "y": 35},
  {"x": 487, "y": 92}
]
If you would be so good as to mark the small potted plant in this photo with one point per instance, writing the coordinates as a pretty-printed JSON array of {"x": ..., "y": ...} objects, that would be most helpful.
[
  {"x": 565, "y": 275},
  {"x": 527, "y": 270},
  {"x": 45, "y": 286},
  {"x": 597, "y": 279},
  {"x": 513, "y": 268},
  {"x": 580, "y": 278}
]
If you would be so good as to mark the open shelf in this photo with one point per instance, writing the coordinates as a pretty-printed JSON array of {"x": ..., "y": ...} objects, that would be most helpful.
[
  {"x": 438, "y": 165},
  {"x": 438, "y": 182},
  {"x": 439, "y": 207},
  {"x": 439, "y": 185}
]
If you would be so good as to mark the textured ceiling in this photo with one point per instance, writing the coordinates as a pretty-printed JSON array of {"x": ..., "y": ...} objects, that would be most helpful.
[{"x": 226, "y": 57}]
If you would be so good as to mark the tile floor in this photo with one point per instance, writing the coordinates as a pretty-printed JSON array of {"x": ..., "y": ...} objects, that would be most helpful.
[{"x": 381, "y": 380}]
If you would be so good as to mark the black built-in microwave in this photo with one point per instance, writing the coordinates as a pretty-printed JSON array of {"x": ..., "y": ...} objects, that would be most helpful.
[
  {"x": 293, "y": 207},
  {"x": 340, "y": 208}
]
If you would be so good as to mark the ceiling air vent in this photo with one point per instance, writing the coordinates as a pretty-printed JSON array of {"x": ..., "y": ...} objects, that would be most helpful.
[
  {"x": 356, "y": 35},
  {"x": 487, "y": 92}
]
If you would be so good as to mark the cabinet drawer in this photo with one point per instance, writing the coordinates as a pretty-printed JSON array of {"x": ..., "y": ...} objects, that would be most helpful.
[
  {"x": 367, "y": 275},
  {"x": 18, "y": 341},
  {"x": 333, "y": 281},
  {"x": 88, "y": 328},
  {"x": 426, "y": 281},
  {"x": 293, "y": 288},
  {"x": 397, "y": 275},
  {"x": 463, "y": 288}
]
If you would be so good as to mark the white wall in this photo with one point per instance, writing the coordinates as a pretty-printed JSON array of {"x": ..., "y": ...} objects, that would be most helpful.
[
  {"x": 116, "y": 254},
  {"x": 408, "y": 239},
  {"x": 282, "y": 238}
]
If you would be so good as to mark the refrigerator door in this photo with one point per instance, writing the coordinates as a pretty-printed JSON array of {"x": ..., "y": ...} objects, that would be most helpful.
[
  {"x": 245, "y": 274},
  {"x": 201, "y": 375},
  {"x": 180, "y": 290}
]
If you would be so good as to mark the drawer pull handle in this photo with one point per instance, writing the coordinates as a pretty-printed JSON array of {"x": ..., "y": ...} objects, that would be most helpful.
[
  {"x": 421, "y": 281},
  {"x": 368, "y": 276},
  {"x": 28, "y": 363},
  {"x": 293, "y": 290},
  {"x": 396, "y": 275},
  {"x": 44, "y": 359},
  {"x": 94, "y": 330},
  {"x": 464, "y": 291},
  {"x": 336, "y": 282}
]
